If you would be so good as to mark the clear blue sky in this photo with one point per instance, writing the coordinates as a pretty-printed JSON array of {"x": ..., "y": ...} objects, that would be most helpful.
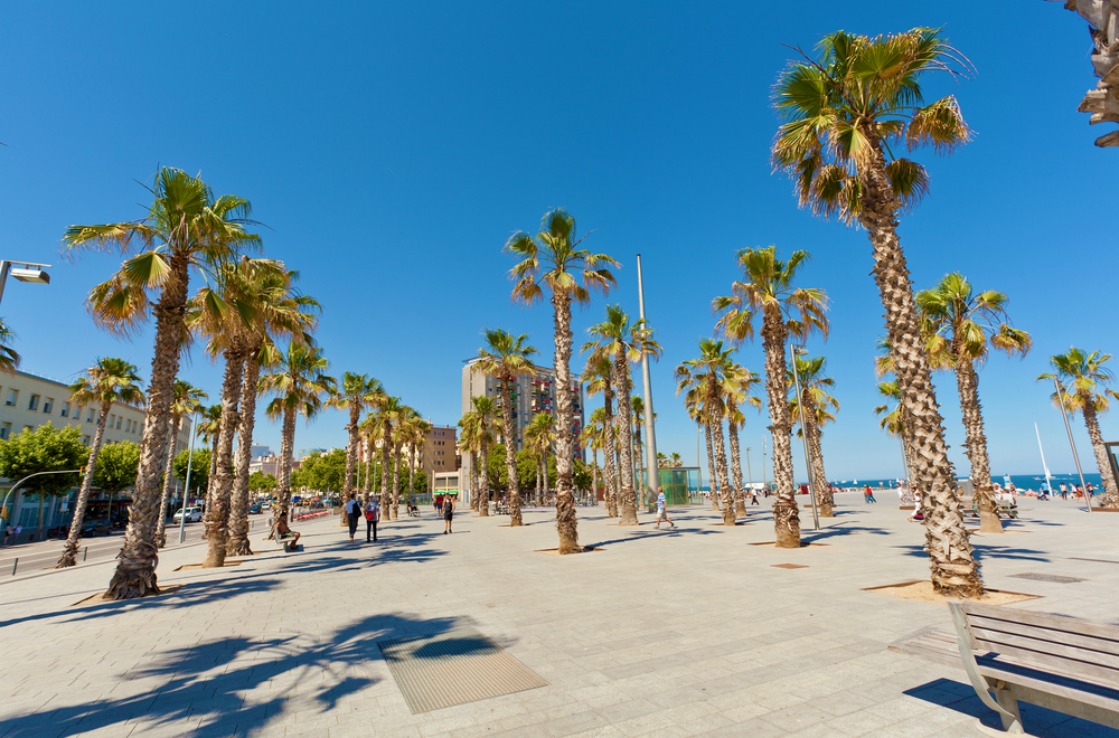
[{"x": 392, "y": 148}]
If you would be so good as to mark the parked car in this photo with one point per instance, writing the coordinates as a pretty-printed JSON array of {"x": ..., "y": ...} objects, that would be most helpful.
[
  {"x": 93, "y": 528},
  {"x": 255, "y": 509},
  {"x": 193, "y": 515}
]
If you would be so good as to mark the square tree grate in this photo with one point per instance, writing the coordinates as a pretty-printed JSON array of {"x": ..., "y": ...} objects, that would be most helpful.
[{"x": 453, "y": 668}]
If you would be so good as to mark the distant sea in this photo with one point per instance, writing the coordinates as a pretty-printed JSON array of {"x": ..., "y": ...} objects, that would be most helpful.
[{"x": 1023, "y": 482}]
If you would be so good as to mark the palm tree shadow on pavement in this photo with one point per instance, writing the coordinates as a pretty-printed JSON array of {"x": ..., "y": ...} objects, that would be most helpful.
[
  {"x": 982, "y": 551},
  {"x": 842, "y": 530},
  {"x": 204, "y": 685},
  {"x": 1040, "y": 722}
]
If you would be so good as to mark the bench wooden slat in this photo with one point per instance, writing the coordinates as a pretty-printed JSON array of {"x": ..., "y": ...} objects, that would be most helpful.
[
  {"x": 1099, "y": 708},
  {"x": 1064, "y": 637},
  {"x": 998, "y": 640},
  {"x": 1044, "y": 620},
  {"x": 1024, "y": 650}
]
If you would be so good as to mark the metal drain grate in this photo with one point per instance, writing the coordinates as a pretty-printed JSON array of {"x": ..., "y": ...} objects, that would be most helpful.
[
  {"x": 1048, "y": 578},
  {"x": 453, "y": 668}
]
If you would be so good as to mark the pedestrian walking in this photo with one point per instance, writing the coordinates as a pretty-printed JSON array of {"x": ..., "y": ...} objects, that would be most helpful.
[
  {"x": 754, "y": 497},
  {"x": 1064, "y": 491},
  {"x": 372, "y": 516},
  {"x": 448, "y": 514},
  {"x": 352, "y": 510},
  {"x": 868, "y": 495},
  {"x": 662, "y": 510}
]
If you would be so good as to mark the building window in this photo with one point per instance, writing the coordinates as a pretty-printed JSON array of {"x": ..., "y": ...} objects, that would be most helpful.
[
  {"x": 89, "y": 418},
  {"x": 13, "y": 397},
  {"x": 33, "y": 403},
  {"x": 85, "y": 440},
  {"x": 65, "y": 411},
  {"x": 48, "y": 405},
  {"x": 5, "y": 431},
  {"x": 119, "y": 421}
]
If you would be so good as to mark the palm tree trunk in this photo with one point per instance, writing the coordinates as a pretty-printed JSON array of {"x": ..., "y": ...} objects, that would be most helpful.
[
  {"x": 395, "y": 481},
  {"x": 955, "y": 572},
  {"x": 386, "y": 441},
  {"x": 475, "y": 484},
  {"x": 594, "y": 476},
  {"x": 609, "y": 458},
  {"x": 538, "y": 491},
  {"x": 484, "y": 483},
  {"x": 566, "y": 524},
  {"x": 711, "y": 484},
  {"x": 975, "y": 441},
  {"x": 349, "y": 485},
  {"x": 736, "y": 468},
  {"x": 238, "y": 544},
  {"x": 135, "y": 573},
  {"x": 287, "y": 448},
  {"x": 823, "y": 500},
  {"x": 69, "y": 555},
  {"x": 786, "y": 516},
  {"x": 1091, "y": 420},
  {"x": 547, "y": 492},
  {"x": 217, "y": 525},
  {"x": 514, "y": 487},
  {"x": 168, "y": 472},
  {"x": 210, "y": 485},
  {"x": 628, "y": 503}
]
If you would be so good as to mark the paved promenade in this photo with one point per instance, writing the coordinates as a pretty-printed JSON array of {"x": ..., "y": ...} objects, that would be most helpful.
[{"x": 665, "y": 633}]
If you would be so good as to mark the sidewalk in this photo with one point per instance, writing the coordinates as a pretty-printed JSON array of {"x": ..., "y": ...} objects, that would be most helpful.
[{"x": 685, "y": 632}]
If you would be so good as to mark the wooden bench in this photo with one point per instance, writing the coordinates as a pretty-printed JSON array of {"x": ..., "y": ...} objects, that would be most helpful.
[
  {"x": 1002, "y": 509},
  {"x": 1053, "y": 661}
]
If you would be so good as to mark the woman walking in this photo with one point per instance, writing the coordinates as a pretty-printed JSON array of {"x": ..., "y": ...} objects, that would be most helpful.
[{"x": 448, "y": 513}]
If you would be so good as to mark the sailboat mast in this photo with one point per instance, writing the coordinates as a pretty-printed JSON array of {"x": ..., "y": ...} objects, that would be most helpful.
[{"x": 1043, "y": 464}]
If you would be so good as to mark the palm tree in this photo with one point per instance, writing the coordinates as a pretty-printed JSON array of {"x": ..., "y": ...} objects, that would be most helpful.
[
  {"x": 785, "y": 311},
  {"x": 505, "y": 358},
  {"x": 962, "y": 327},
  {"x": 109, "y": 381},
  {"x": 485, "y": 410},
  {"x": 844, "y": 113},
  {"x": 1082, "y": 377},
  {"x": 356, "y": 393},
  {"x": 893, "y": 418},
  {"x": 540, "y": 433},
  {"x": 598, "y": 375},
  {"x": 209, "y": 430},
  {"x": 702, "y": 379},
  {"x": 470, "y": 443},
  {"x": 674, "y": 458},
  {"x": 188, "y": 401},
  {"x": 637, "y": 415},
  {"x": 300, "y": 383},
  {"x": 593, "y": 439},
  {"x": 389, "y": 412},
  {"x": 407, "y": 428},
  {"x": 819, "y": 406},
  {"x": 186, "y": 227},
  {"x": 623, "y": 343},
  {"x": 737, "y": 389},
  {"x": 9, "y": 358},
  {"x": 554, "y": 260}
]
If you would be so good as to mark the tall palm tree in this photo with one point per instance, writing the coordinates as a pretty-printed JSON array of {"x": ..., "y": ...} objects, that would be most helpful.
[
  {"x": 892, "y": 418},
  {"x": 409, "y": 425},
  {"x": 469, "y": 444},
  {"x": 486, "y": 410},
  {"x": 109, "y": 381},
  {"x": 624, "y": 343},
  {"x": 539, "y": 435},
  {"x": 845, "y": 112},
  {"x": 785, "y": 311},
  {"x": 819, "y": 407},
  {"x": 637, "y": 417},
  {"x": 9, "y": 358},
  {"x": 300, "y": 383},
  {"x": 553, "y": 259},
  {"x": 188, "y": 401},
  {"x": 186, "y": 227},
  {"x": 356, "y": 393},
  {"x": 209, "y": 430},
  {"x": 1082, "y": 377},
  {"x": 598, "y": 375},
  {"x": 702, "y": 379},
  {"x": 283, "y": 312},
  {"x": 962, "y": 327},
  {"x": 737, "y": 390},
  {"x": 592, "y": 438},
  {"x": 389, "y": 412},
  {"x": 505, "y": 357},
  {"x": 674, "y": 458}
]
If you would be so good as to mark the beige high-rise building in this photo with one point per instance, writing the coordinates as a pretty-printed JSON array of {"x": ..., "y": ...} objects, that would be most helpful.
[
  {"x": 440, "y": 451},
  {"x": 535, "y": 392}
]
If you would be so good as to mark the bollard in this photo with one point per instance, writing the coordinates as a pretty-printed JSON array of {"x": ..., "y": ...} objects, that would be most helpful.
[
  {"x": 14, "y": 565},
  {"x": 85, "y": 554}
]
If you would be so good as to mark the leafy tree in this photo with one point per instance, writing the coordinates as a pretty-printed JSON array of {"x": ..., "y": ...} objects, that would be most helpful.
[
  {"x": 42, "y": 449},
  {"x": 261, "y": 482},
  {"x": 322, "y": 472},
  {"x": 186, "y": 228},
  {"x": 200, "y": 463},
  {"x": 845, "y": 113},
  {"x": 117, "y": 466}
]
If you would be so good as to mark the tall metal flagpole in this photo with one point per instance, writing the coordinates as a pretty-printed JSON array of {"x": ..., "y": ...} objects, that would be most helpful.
[
  {"x": 1072, "y": 443},
  {"x": 652, "y": 473}
]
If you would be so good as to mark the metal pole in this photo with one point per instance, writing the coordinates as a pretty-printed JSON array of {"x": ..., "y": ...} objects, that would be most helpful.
[
  {"x": 1044, "y": 466},
  {"x": 1072, "y": 443},
  {"x": 653, "y": 482},
  {"x": 749, "y": 473},
  {"x": 4, "y": 267},
  {"x": 186, "y": 493},
  {"x": 698, "y": 464},
  {"x": 804, "y": 438}
]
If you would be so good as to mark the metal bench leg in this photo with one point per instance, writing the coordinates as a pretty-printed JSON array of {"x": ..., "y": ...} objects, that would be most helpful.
[{"x": 1011, "y": 718}]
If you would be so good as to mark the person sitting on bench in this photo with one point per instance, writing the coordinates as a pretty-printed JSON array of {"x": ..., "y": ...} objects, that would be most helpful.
[
  {"x": 413, "y": 510},
  {"x": 287, "y": 537}
]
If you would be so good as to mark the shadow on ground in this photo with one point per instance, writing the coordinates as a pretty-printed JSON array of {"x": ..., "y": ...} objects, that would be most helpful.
[
  {"x": 201, "y": 689},
  {"x": 985, "y": 551},
  {"x": 1037, "y": 721}
]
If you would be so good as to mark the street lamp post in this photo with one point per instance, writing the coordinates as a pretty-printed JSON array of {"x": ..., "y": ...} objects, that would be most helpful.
[
  {"x": 1072, "y": 443},
  {"x": 24, "y": 271},
  {"x": 799, "y": 351},
  {"x": 653, "y": 472},
  {"x": 186, "y": 492}
]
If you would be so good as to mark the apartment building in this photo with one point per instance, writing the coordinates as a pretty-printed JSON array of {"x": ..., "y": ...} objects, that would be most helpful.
[{"x": 440, "y": 451}]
